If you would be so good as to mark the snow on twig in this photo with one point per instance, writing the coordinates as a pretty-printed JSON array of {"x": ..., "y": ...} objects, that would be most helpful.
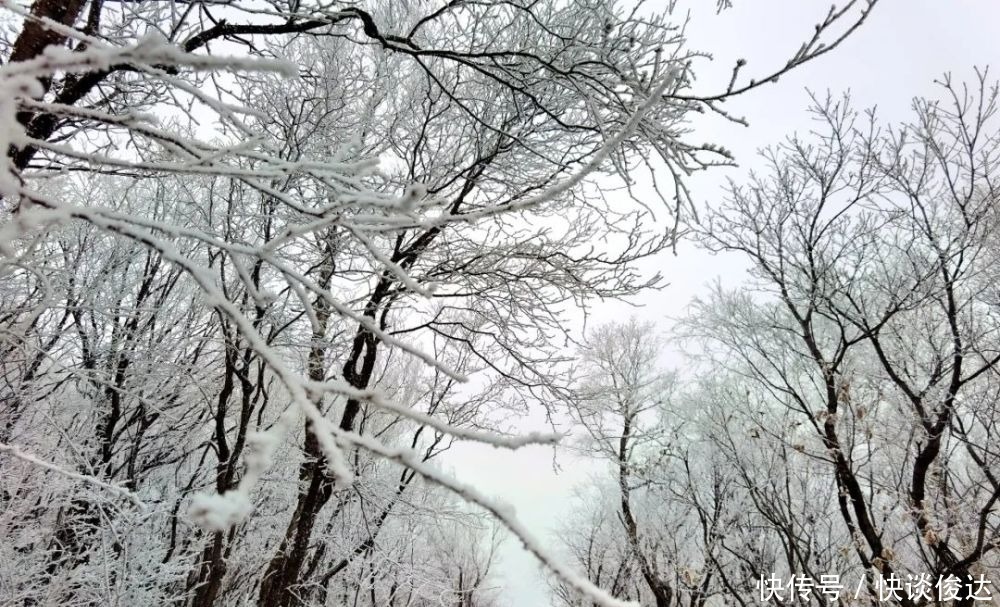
[
  {"x": 24, "y": 456},
  {"x": 502, "y": 512}
]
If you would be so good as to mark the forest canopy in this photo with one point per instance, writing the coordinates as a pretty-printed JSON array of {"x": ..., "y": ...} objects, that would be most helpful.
[{"x": 262, "y": 264}]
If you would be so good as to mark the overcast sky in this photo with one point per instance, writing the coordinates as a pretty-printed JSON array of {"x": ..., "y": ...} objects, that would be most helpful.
[{"x": 897, "y": 55}]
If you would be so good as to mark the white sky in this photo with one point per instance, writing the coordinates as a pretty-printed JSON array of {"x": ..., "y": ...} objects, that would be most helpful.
[{"x": 894, "y": 57}]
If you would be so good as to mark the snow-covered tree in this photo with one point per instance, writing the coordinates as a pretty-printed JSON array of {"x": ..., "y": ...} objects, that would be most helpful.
[{"x": 867, "y": 342}]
